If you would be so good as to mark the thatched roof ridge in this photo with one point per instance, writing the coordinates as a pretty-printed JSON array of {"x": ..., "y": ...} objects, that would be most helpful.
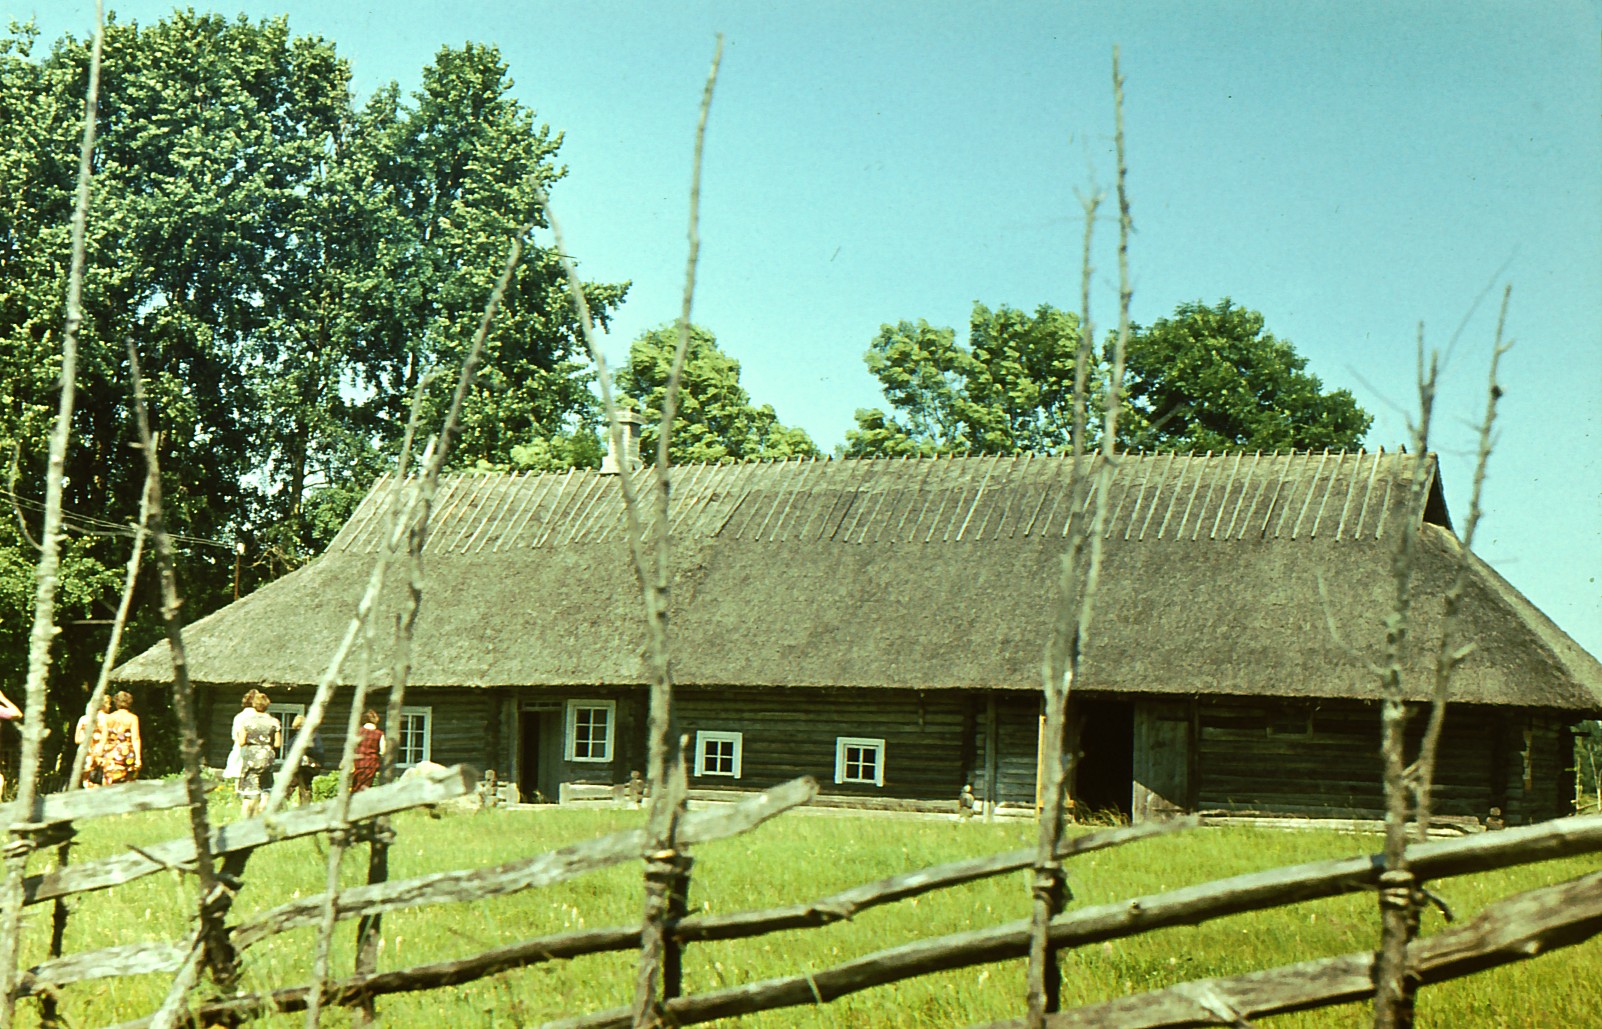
[
  {"x": 1236, "y": 497},
  {"x": 922, "y": 574}
]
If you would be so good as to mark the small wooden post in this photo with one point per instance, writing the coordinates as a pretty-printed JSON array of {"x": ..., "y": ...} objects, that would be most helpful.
[
  {"x": 992, "y": 795},
  {"x": 677, "y": 874}
]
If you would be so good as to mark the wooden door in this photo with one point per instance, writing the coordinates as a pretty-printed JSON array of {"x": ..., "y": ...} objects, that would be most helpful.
[{"x": 1162, "y": 760}]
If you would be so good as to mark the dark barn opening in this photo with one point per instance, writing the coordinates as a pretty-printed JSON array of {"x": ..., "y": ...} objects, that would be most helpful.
[
  {"x": 1107, "y": 763},
  {"x": 539, "y": 749}
]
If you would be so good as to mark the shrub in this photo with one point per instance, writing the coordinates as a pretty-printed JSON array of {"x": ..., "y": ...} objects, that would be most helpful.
[{"x": 325, "y": 786}]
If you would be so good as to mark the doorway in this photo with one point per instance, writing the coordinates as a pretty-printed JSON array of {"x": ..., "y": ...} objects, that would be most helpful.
[
  {"x": 539, "y": 755},
  {"x": 1106, "y": 765}
]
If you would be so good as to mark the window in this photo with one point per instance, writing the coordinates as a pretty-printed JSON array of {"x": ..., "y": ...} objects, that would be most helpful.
[
  {"x": 859, "y": 760},
  {"x": 589, "y": 730},
  {"x": 286, "y": 715},
  {"x": 416, "y": 736},
  {"x": 717, "y": 753}
]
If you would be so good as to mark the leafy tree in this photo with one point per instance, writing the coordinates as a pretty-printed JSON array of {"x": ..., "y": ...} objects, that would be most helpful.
[
  {"x": 291, "y": 268},
  {"x": 1009, "y": 390},
  {"x": 716, "y": 419},
  {"x": 1209, "y": 378}
]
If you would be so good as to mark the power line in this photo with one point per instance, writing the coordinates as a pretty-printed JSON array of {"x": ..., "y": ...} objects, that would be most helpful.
[{"x": 89, "y": 525}]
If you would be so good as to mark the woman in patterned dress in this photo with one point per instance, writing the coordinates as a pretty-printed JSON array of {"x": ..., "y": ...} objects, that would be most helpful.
[
  {"x": 258, "y": 736},
  {"x": 122, "y": 751},
  {"x": 92, "y": 728},
  {"x": 231, "y": 768},
  {"x": 369, "y": 753}
]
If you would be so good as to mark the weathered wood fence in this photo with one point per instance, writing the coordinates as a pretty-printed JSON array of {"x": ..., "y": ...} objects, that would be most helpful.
[{"x": 1513, "y": 929}]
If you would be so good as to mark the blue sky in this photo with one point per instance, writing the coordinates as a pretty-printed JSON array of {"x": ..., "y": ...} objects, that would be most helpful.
[{"x": 1351, "y": 170}]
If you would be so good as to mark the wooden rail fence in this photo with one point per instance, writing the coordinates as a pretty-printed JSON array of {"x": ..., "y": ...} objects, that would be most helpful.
[{"x": 1513, "y": 929}]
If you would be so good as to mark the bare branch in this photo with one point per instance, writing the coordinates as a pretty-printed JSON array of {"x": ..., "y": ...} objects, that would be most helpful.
[
  {"x": 46, "y": 576},
  {"x": 211, "y": 933},
  {"x": 1399, "y": 895},
  {"x": 667, "y": 775},
  {"x": 1452, "y": 650}
]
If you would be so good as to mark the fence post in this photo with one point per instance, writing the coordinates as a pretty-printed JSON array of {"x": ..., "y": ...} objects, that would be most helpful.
[{"x": 675, "y": 879}]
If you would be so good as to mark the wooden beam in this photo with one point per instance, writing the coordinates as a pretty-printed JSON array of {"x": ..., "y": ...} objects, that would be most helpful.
[{"x": 445, "y": 784}]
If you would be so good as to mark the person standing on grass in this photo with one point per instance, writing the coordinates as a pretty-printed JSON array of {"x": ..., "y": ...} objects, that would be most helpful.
[
  {"x": 93, "y": 727},
  {"x": 231, "y": 769},
  {"x": 122, "y": 750},
  {"x": 311, "y": 763},
  {"x": 370, "y": 746},
  {"x": 258, "y": 738}
]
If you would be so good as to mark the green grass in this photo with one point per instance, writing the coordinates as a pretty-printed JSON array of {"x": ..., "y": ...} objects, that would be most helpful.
[{"x": 799, "y": 858}]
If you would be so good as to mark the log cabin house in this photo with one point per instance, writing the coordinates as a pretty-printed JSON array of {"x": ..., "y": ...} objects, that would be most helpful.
[{"x": 879, "y": 624}]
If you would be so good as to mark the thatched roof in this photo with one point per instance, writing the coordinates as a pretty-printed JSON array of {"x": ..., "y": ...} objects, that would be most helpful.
[{"x": 932, "y": 573}]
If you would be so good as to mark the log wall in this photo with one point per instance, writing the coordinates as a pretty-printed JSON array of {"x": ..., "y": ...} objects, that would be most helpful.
[
  {"x": 1320, "y": 759},
  {"x": 1311, "y": 759},
  {"x": 1017, "y": 736},
  {"x": 788, "y": 732}
]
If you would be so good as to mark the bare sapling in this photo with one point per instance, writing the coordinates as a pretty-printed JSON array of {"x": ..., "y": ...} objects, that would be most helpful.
[
  {"x": 1453, "y": 649},
  {"x": 1080, "y": 567},
  {"x": 1399, "y": 894},
  {"x": 369, "y": 932},
  {"x": 666, "y": 868},
  {"x": 1408, "y": 787},
  {"x": 47, "y": 573},
  {"x": 212, "y": 948}
]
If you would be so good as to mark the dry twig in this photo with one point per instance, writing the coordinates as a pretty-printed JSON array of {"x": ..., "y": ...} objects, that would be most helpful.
[
  {"x": 47, "y": 574},
  {"x": 212, "y": 946}
]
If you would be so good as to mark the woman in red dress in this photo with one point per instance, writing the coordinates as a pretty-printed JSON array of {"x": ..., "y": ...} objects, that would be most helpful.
[{"x": 369, "y": 753}]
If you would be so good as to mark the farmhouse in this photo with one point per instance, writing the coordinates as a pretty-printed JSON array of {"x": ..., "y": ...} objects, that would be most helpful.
[{"x": 879, "y": 624}]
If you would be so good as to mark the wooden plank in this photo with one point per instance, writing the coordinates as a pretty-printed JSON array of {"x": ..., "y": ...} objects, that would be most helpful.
[
  {"x": 123, "y": 798},
  {"x": 444, "y": 784}
]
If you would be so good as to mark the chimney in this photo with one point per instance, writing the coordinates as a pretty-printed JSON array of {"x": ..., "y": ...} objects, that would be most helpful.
[{"x": 629, "y": 427}]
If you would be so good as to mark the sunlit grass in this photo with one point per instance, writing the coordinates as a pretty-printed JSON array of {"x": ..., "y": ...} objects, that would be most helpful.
[{"x": 796, "y": 858}]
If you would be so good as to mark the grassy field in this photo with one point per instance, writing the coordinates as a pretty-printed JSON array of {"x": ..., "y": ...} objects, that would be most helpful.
[{"x": 799, "y": 858}]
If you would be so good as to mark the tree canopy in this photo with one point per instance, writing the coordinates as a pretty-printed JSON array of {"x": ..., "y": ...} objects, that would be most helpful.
[
  {"x": 1009, "y": 390},
  {"x": 716, "y": 419},
  {"x": 1209, "y": 378},
  {"x": 291, "y": 266}
]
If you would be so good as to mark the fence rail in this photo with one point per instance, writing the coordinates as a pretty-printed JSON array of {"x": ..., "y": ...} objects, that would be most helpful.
[{"x": 1510, "y": 930}]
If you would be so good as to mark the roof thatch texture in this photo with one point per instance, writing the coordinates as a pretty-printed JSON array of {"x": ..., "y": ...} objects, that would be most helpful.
[{"x": 931, "y": 573}]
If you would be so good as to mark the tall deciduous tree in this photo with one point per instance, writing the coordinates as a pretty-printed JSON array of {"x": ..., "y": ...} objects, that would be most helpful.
[
  {"x": 1009, "y": 390},
  {"x": 1210, "y": 378},
  {"x": 290, "y": 266},
  {"x": 716, "y": 419}
]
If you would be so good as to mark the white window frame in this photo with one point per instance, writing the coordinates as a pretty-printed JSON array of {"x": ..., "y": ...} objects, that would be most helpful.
[
  {"x": 705, "y": 736},
  {"x": 841, "y": 743},
  {"x": 426, "y": 713},
  {"x": 569, "y": 737},
  {"x": 285, "y": 713}
]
